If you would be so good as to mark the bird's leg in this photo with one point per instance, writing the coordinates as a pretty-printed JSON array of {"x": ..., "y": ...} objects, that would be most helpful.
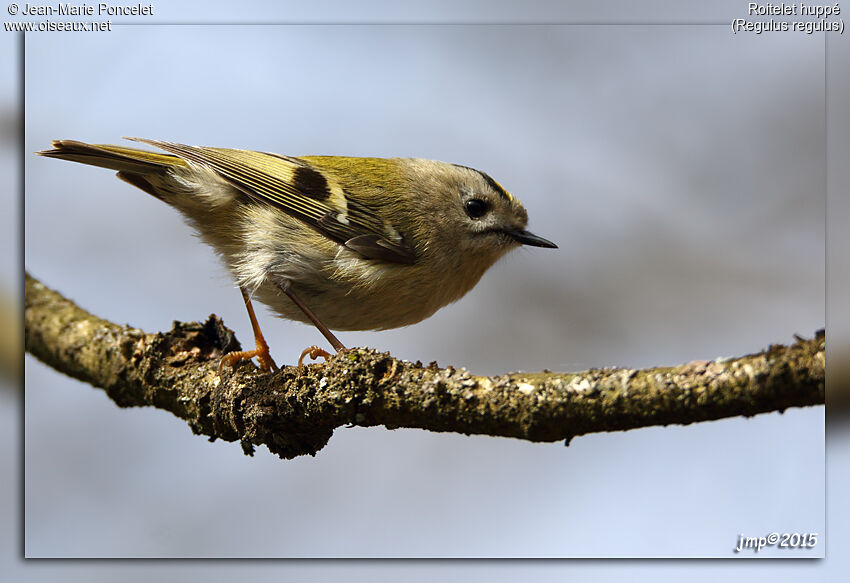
[
  {"x": 313, "y": 352},
  {"x": 286, "y": 288},
  {"x": 262, "y": 350}
]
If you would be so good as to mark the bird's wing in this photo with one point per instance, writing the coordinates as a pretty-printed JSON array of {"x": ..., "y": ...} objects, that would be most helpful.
[{"x": 303, "y": 192}]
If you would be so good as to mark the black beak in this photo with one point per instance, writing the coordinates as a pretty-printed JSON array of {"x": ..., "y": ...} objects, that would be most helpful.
[{"x": 526, "y": 238}]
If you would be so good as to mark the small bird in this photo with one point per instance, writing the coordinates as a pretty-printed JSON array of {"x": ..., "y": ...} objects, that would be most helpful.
[{"x": 345, "y": 243}]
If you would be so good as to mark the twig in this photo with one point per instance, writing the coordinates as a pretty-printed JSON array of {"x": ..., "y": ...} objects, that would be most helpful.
[{"x": 295, "y": 415}]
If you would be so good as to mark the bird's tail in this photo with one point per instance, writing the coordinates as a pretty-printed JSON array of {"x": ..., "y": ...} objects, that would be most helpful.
[
  {"x": 133, "y": 165},
  {"x": 113, "y": 157}
]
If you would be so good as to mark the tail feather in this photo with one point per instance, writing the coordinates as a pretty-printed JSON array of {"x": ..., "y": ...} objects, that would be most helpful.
[
  {"x": 140, "y": 181},
  {"x": 125, "y": 160}
]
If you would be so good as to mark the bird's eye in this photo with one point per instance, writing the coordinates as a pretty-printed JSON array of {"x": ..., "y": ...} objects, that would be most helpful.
[{"x": 476, "y": 208}]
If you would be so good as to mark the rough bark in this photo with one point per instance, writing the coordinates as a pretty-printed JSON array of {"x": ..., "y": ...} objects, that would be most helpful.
[{"x": 295, "y": 415}]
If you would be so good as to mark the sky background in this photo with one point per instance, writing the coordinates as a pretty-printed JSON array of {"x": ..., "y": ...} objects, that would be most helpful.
[{"x": 680, "y": 168}]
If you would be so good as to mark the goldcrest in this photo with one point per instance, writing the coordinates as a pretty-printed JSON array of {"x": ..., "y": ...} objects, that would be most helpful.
[{"x": 344, "y": 243}]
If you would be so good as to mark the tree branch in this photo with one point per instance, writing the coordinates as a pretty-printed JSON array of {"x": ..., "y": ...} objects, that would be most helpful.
[{"x": 295, "y": 415}]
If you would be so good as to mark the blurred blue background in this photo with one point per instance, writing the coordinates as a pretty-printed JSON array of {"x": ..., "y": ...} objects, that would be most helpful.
[{"x": 679, "y": 168}]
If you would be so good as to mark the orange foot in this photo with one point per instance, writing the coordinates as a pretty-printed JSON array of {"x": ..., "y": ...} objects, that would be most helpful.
[
  {"x": 313, "y": 352},
  {"x": 264, "y": 358},
  {"x": 262, "y": 353}
]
